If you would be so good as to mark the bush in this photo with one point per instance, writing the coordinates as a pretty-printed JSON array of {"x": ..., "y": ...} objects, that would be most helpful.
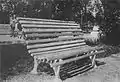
[{"x": 93, "y": 38}]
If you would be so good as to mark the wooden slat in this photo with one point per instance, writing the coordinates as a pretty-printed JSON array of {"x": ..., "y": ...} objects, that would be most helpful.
[
  {"x": 5, "y": 32},
  {"x": 50, "y": 30},
  {"x": 82, "y": 70},
  {"x": 47, "y": 23},
  {"x": 54, "y": 44},
  {"x": 5, "y": 29},
  {"x": 5, "y": 26},
  {"x": 56, "y": 51},
  {"x": 55, "y": 47},
  {"x": 51, "y": 40},
  {"x": 7, "y": 40},
  {"x": 45, "y": 20},
  {"x": 52, "y": 34},
  {"x": 77, "y": 58},
  {"x": 47, "y": 26},
  {"x": 64, "y": 53},
  {"x": 11, "y": 42}
]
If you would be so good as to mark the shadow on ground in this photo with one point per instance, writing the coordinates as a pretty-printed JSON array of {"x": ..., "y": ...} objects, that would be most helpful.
[{"x": 10, "y": 55}]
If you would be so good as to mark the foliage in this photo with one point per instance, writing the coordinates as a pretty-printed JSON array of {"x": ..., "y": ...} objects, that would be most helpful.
[
  {"x": 23, "y": 8},
  {"x": 110, "y": 21},
  {"x": 74, "y": 10},
  {"x": 95, "y": 7},
  {"x": 67, "y": 9},
  {"x": 54, "y": 9}
]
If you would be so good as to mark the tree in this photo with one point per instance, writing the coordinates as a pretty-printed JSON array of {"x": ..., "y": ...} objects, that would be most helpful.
[{"x": 110, "y": 25}]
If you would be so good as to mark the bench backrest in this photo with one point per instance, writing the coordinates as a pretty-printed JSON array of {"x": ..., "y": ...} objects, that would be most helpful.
[{"x": 47, "y": 37}]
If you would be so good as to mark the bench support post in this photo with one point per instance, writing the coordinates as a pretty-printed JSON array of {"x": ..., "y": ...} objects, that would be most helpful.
[
  {"x": 34, "y": 71},
  {"x": 56, "y": 71},
  {"x": 93, "y": 61}
]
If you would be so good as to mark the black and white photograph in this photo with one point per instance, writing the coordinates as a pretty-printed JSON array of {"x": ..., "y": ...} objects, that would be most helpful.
[{"x": 59, "y": 40}]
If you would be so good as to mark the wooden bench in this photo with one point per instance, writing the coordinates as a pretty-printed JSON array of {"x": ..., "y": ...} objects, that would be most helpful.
[{"x": 55, "y": 42}]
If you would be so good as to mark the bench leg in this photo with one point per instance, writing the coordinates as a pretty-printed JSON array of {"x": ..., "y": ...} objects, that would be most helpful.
[
  {"x": 34, "y": 71},
  {"x": 56, "y": 71},
  {"x": 93, "y": 61}
]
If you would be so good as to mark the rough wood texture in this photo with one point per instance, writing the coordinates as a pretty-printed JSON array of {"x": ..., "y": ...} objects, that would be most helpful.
[
  {"x": 43, "y": 45},
  {"x": 5, "y": 32},
  {"x": 50, "y": 30},
  {"x": 48, "y": 26},
  {"x": 5, "y": 26},
  {"x": 47, "y": 23},
  {"x": 45, "y": 20},
  {"x": 53, "y": 34},
  {"x": 52, "y": 40},
  {"x": 55, "y": 47},
  {"x": 5, "y": 29}
]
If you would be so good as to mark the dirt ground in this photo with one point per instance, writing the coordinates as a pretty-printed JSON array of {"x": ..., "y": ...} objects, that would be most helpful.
[{"x": 108, "y": 70}]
